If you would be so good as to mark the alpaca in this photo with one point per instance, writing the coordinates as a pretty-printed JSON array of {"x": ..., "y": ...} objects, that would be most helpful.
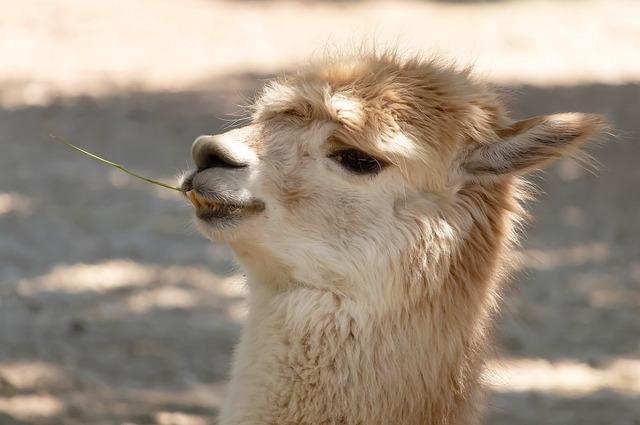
[{"x": 372, "y": 201}]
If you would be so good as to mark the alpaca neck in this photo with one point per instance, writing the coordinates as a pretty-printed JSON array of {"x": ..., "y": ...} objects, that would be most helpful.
[{"x": 323, "y": 355}]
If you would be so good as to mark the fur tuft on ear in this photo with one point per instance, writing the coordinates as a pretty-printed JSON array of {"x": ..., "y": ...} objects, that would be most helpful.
[{"x": 533, "y": 143}]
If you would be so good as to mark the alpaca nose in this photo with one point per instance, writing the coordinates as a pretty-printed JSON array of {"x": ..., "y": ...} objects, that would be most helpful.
[{"x": 219, "y": 152}]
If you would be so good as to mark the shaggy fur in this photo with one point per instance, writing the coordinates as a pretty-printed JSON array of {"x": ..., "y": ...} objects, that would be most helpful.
[{"x": 371, "y": 296}]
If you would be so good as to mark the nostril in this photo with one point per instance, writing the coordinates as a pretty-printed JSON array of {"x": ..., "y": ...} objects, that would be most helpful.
[
  {"x": 222, "y": 151},
  {"x": 216, "y": 152},
  {"x": 213, "y": 160}
]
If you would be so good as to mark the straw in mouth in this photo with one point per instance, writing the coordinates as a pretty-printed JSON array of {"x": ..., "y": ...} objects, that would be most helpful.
[{"x": 113, "y": 164}]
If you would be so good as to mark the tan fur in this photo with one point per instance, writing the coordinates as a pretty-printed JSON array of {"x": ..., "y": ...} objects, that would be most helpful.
[{"x": 372, "y": 296}]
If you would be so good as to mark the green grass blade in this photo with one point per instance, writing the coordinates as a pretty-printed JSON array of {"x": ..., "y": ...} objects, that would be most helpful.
[{"x": 113, "y": 164}]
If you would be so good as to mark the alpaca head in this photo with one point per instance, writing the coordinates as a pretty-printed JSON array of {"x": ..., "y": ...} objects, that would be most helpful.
[{"x": 354, "y": 169}]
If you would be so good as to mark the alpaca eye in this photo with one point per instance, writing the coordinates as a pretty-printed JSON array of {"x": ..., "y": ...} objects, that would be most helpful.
[{"x": 357, "y": 161}]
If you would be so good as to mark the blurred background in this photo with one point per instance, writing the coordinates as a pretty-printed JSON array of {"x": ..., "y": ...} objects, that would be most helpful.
[{"x": 113, "y": 310}]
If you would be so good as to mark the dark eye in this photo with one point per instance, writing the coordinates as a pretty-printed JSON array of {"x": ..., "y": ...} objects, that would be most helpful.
[{"x": 357, "y": 161}]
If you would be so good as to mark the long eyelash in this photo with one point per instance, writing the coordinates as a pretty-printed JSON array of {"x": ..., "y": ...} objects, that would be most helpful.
[{"x": 357, "y": 161}]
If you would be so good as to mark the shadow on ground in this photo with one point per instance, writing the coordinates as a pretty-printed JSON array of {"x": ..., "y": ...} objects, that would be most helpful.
[{"x": 114, "y": 310}]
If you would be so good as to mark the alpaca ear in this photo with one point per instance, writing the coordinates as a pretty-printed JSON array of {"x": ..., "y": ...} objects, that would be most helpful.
[{"x": 533, "y": 143}]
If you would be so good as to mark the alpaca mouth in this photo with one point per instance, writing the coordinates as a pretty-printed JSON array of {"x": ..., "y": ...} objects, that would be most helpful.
[{"x": 210, "y": 209}]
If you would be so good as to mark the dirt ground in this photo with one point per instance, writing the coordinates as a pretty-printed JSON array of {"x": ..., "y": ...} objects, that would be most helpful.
[{"x": 113, "y": 310}]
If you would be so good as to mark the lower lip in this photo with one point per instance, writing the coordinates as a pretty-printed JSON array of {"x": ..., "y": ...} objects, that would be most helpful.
[
  {"x": 209, "y": 214},
  {"x": 218, "y": 211},
  {"x": 226, "y": 213}
]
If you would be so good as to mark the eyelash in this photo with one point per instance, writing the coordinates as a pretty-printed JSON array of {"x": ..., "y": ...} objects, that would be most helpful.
[{"x": 357, "y": 161}]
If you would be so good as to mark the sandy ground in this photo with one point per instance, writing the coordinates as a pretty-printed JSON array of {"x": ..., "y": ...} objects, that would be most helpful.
[{"x": 114, "y": 311}]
